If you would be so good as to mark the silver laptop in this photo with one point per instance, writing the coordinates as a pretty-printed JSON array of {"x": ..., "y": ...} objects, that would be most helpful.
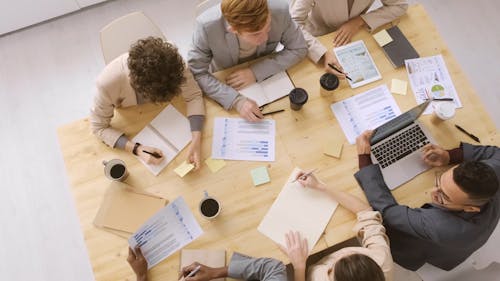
[{"x": 396, "y": 146}]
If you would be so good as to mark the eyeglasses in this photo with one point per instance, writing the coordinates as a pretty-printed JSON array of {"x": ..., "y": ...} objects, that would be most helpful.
[{"x": 442, "y": 198}]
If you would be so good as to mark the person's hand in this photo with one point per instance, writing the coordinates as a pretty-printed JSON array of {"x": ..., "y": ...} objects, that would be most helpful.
[
  {"x": 363, "y": 142},
  {"x": 435, "y": 156},
  {"x": 204, "y": 274},
  {"x": 309, "y": 181},
  {"x": 329, "y": 58},
  {"x": 250, "y": 111},
  {"x": 347, "y": 30},
  {"x": 194, "y": 154},
  {"x": 296, "y": 249},
  {"x": 241, "y": 78},
  {"x": 148, "y": 158},
  {"x": 138, "y": 263}
]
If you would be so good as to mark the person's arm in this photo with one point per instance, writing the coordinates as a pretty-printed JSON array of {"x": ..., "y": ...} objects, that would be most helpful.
[
  {"x": 101, "y": 113},
  {"x": 204, "y": 273},
  {"x": 299, "y": 12},
  {"x": 347, "y": 200},
  {"x": 199, "y": 59},
  {"x": 391, "y": 10},
  {"x": 295, "y": 49},
  {"x": 138, "y": 263},
  {"x": 263, "y": 269}
]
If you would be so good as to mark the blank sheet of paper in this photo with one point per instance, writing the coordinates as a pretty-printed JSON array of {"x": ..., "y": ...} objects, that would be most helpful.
[{"x": 305, "y": 210}]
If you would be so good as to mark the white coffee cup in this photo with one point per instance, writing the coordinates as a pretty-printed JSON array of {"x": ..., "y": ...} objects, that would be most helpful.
[
  {"x": 115, "y": 169},
  {"x": 209, "y": 207},
  {"x": 444, "y": 110}
]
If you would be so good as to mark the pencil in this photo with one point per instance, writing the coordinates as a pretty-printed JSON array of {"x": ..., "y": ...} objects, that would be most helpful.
[
  {"x": 272, "y": 112},
  {"x": 338, "y": 70},
  {"x": 304, "y": 176},
  {"x": 154, "y": 154}
]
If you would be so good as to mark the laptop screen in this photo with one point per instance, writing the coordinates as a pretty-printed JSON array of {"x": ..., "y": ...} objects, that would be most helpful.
[{"x": 398, "y": 123}]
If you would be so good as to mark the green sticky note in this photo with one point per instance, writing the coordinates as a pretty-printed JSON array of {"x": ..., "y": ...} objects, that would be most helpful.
[{"x": 260, "y": 176}]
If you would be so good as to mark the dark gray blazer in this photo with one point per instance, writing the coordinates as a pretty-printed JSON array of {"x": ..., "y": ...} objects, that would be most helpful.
[
  {"x": 263, "y": 269},
  {"x": 432, "y": 234},
  {"x": 213, "y": 45}
]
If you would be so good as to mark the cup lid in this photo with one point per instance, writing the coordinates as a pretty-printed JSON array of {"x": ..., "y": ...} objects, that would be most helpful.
[
  {"x": 329, "y": 81},
  {"x": 446, "y": 109},
  {"x": 298, "y": 96}
]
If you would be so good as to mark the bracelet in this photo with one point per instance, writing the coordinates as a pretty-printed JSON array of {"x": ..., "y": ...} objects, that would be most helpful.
[{"x": 136, "y": 146}]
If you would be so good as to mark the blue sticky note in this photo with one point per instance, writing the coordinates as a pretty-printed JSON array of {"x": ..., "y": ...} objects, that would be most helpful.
[{"x": 260, "y": 176}]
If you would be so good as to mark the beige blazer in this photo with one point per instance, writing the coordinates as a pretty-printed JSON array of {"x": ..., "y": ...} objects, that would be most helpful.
[
  {"x": 375, "y": 245},
  {"x": 319, "y": 17},
  {"x": 114, "y": 90}
]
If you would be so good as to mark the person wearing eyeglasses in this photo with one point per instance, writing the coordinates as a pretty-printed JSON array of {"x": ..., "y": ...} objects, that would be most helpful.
[{"x": 463, "y": 212}]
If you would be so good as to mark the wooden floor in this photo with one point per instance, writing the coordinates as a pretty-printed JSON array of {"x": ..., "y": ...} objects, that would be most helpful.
[{"x": 47, "y": 75}]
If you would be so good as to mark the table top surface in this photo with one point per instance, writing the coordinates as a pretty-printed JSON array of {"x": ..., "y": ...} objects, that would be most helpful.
[{"x": 300, "y": 138}]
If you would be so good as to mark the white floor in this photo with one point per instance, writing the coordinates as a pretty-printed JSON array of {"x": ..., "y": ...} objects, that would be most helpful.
[{"x": 46, "y": 80}]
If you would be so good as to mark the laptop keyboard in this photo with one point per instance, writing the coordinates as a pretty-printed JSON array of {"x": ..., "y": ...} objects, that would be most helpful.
[{"x": 401, "y": 144}]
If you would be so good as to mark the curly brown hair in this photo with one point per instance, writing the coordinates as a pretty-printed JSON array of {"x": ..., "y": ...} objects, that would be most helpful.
[{"x": 156, "y": 69}]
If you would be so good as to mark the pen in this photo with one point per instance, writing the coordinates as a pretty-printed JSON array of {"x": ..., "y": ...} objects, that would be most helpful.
[
  {"x": 195, "y": 270},
  {"x": 272, "y": 112},
  {"x": 467, "y": 133},
  {"x": 443, "y": 99},
  {"x": 154, "y": 154},
  {"x": 338, "y": 70},
  {"x": 304, "y": 176}
]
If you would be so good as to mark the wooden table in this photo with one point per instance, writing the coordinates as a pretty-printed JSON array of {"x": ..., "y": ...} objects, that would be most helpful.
[{"x": 300, "y": 139}]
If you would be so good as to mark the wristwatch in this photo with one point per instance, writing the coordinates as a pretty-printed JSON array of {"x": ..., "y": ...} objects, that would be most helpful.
[{"x": 136, "y": 146}]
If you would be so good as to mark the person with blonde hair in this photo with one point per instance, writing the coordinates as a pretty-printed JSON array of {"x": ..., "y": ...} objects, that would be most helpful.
[
  {"x": 237, "y": 31},
  {"x": 370, "y": 262},
  {"x": 347, "y": 17}
]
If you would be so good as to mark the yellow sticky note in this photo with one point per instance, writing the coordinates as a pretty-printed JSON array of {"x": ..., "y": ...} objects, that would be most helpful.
[
  {"x": 260, "y": 176},
  {"x": 333, "y": 149},
  {"x": 398, "y": 87},
  {"x": 183, "y": 169},
  {"x": 215, "y": 164},
  {"x": 382, "y": 37}
]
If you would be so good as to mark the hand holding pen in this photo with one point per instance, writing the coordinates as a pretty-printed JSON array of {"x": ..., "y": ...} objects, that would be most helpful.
[
  {"x": 150, "y": 155},
  {"x": 340, "y": 71}
]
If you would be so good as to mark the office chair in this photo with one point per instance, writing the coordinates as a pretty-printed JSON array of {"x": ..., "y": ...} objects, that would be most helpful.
[{"x": 120, "y": 34}]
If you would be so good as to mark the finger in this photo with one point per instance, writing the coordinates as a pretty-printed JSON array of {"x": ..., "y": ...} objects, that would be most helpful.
[
  {"x": 138, "y": 253},
  {"x": 287, "y": 240},
  {"x": 185, "y": 270},
  {"x": 131, "y": 255},
  {"x": 305, "y": 246},
  {"x": 340, "y": 37},
  {"x": 257, "y": 112}
]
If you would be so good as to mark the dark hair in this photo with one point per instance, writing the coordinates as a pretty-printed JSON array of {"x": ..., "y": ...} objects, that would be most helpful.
[
  {"x": 357, "y": 267},
  {"x": 477, "y": 179},
  {"x": 156, "y": 69}
]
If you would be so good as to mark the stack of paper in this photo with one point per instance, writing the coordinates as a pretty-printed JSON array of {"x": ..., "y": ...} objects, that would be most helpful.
[
  {"x": 305, "y": 210},
  {"x": 169, "y": 132}
]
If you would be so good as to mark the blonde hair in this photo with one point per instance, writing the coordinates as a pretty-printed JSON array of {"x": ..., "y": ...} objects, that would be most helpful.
[{"x": 245, "y": 15}]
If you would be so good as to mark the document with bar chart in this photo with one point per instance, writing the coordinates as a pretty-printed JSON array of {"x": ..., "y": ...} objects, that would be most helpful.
[{"x": 237, "y": 139}]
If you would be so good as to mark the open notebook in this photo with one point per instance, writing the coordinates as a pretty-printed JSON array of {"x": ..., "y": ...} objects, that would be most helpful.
[
  {"x": 169, "y": 132},
  {"x": 269, "y": 90}
]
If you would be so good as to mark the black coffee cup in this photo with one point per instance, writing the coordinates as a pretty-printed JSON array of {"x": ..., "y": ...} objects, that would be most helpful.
[
  {"x": 328, "y": 82},
  {"x": 298, "y": 97},
  {"x": 209, "y": 207},
  {"x": 115, "y": 169}
]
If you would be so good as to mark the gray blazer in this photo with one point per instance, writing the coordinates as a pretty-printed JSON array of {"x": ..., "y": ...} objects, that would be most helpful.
[
  {"x": 263, "y": 269},
  {"x": 432, "y": 234},
  {"x": 213, "y": 45}
]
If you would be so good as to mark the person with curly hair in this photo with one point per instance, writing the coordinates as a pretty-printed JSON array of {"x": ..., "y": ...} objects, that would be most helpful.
[
  {"x": 152, "y": 71},
  {"x": 237, "y": 31}
]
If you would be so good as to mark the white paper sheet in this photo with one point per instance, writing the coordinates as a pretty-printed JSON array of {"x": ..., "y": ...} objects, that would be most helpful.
[
  {"x": 365, "y": 111},
  {"x": 269, "y": 90},
  {"x": 429, "y": 78},
  {"x": 305, "y": 210},
  {"x": 237, "y": 139},
  {"x": 172, "y": 228},
  {"x": 357, "y": 63},
  {"x": 170, "y": 132}
]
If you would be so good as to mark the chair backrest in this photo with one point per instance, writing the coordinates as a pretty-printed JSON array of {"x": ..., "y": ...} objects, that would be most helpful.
[
  {"x": 204, "y": 5},
  {"x": 120, "y": 34}
]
